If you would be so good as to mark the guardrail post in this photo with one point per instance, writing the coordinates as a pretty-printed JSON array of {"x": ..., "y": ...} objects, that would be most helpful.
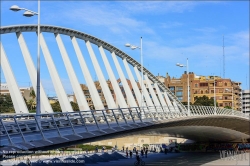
[
  {"x": 59, "y": 133},
  {"x": 105, "y": 119},
  {"x": 115, "y": 118},
  {"x": 95, "y": 120},
  {"x": 131, "y": 114},
  {"x": 24, "y": 140},
  {"x": 83, "y": 122},
  {"x": 139, "y": 114},
  {"x": 10, "y": 141},
  {"x": 123, "y": 116},
  {"x": 73, "y": 129},
  {"x": 39, "y": 127}
]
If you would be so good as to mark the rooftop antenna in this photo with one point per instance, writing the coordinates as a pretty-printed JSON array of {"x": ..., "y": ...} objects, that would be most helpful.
[{"x": 223, "y": 59}]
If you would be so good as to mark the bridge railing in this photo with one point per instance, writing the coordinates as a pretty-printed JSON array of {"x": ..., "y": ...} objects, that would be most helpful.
[
  {"x": 17, "y": 128},
  {"x": 210, "y": 110}
]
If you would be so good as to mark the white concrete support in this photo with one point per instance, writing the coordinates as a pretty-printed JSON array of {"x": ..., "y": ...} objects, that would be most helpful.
[
  {"x": 16, "y": 96},
  {"x": 169, "y": 103},
  {"x": 163, "y": 103},
  {"x": 145, "y": 91},
  {"x": 89, "y": 81},
  {"x": 133, "y": 83},
  {"x": 130, "y": 97},
  {"x": 80, "y": 97},
  {"x": 119, "y": 96},
  {"x": 61, "y": 94},
  {"x": 152, "y": 92},
  {"x": 46, "y": 107},
  {"x": 107, "y": 94}
]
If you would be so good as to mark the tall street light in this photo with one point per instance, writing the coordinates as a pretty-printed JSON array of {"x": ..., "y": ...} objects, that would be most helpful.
[
  {"x": 181, "y": 65},
  {"x": 214, "y": 98},
  {"x": 133, "y": 47},
  {"x": 30, "y": 13}
]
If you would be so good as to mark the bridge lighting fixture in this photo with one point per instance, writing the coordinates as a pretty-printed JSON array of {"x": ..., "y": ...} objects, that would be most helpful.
[
  {"x": 181, "y": 65},
  {"x": 133, "y": 47},
  {"x": 30, "y": 13}
]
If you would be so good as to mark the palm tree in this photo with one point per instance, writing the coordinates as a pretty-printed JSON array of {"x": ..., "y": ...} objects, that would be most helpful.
[{"x": 33, "y": 94}]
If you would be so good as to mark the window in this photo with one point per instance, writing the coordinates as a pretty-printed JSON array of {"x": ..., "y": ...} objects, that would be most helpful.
[
  {"x": 179, "y": 88},
  {"x": 179, "y": 94},
  {"x": 225, "y": 84},
  {"x": 206, "y": 91},
  {"x": 180, "y": 98},
  {"x": 201, "y": 91},
  {"x": 172, "y": 88},
  {"x": 196, "y": 85},
  {"x": 212, "y": 91},
  {"x": 221, "y": 104},
  {"x": 203, "y": 84},
  {"x": 195, "y": 92}
]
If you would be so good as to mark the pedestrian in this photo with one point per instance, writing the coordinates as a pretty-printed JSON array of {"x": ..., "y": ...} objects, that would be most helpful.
[
  {"x": 154, "y": 149},
  {"x": 28, "y": 162},
  {"x": 142, "y": 153},
  {"x": 130, "y": 153},
  {"x": 96, "y": 149},
  {"x": 136, "y": 152},
  {"x": 146, "y": 153},
  {"x": 165, "y": 150},
  {"x": 103, "y": 149},
  {"x": 127, "y": 154},
  {"x": 123, "y": 148},
  {"x": 126, "y": 148}
]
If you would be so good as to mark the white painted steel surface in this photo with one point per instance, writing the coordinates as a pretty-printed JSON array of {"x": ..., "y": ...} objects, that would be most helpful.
[
  {"x": 45, "y": 105},
  {"x": 61, "y": 94},
  {"x": 16, "y": 96},
  {"x": 80, "y": 97}
]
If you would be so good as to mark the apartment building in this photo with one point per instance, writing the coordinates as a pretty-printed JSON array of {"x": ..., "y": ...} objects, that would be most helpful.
[
  {"x": 245, "y": 101},
  {"x": 226, "y": 91}
]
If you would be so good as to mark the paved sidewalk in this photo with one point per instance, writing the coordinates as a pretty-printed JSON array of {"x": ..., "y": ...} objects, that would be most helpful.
[{"x": 181, "y": 159}]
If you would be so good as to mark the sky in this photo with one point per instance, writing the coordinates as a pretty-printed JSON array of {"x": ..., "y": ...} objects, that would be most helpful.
[{"x": 172, "y": 31}]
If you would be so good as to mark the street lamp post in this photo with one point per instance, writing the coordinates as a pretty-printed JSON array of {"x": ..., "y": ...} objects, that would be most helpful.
[
  {"x": 133, "y": 47},
  {"x": 214, "y": 98},
  {"x": 30, "y": 13},
  {"x": 181, "y": 65}
]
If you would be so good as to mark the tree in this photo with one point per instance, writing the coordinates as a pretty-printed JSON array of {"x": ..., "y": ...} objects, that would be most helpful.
[
  {"x": 204, "y": 101},
  {"x": 74, "y": 106},
  {"x": 6, "y": 105},
  {"x": 228, "y": 107},
  {"x": 56, "y": 107},
  {"x": 33, "y": 94}
]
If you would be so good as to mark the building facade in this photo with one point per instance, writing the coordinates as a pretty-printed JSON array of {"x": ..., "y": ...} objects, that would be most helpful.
[
  {"x": 227, "y": 92},
  {"x": 246, "y": 101}
]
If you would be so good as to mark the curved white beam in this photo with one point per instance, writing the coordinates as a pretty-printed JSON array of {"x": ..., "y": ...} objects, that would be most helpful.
[
  {"x": 80, "y": 97},
  {"x": 107, "y": 94},
  {"x": 46, "y": 107},
  {"x": 119, "y": 96},
  {"x": 61, "y": 94},
  {"x": 89, "y": 81},
  {"x": 130, "y": 97},
  {"x": 16, "y": 96}
]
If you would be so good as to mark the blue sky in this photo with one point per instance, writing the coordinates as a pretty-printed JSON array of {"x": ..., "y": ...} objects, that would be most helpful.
[{"x": 172, "y": 31}]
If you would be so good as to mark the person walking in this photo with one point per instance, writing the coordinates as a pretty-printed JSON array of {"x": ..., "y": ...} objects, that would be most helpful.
[
  {"x": 130, "y": 154},
  {"x": 127, "y": 154},
  {"x": 142, "y": 153},
  {"x": 146, "y": 153}
]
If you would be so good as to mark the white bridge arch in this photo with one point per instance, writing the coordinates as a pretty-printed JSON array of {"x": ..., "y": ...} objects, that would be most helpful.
[{"x": 170, "y": 101}]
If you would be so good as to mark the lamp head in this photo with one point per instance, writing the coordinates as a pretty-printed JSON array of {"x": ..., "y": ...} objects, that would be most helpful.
[
  {"x": 28, "y": 14},
  {"x": 133, "y": 47},
  {"x": 127, "y": 45},
  {"x": 15, "y": 8}
]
